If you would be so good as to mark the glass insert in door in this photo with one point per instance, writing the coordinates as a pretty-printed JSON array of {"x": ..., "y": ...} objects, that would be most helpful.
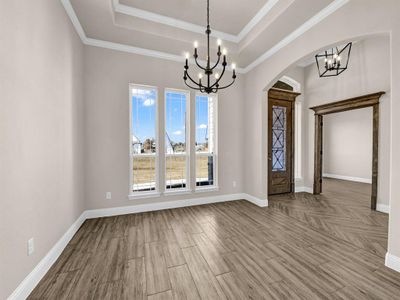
[{"x": 278, "y": 138}]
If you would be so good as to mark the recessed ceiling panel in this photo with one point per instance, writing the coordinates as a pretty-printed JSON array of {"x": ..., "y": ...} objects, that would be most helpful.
[{"x": 226, "y": 15}]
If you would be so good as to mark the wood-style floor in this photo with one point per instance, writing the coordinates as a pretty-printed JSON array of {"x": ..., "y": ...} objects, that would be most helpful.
[{"x": 302, "y": 246}]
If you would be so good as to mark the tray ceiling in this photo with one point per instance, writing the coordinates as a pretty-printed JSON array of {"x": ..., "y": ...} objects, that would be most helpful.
[{"x": 250, "y": 29}]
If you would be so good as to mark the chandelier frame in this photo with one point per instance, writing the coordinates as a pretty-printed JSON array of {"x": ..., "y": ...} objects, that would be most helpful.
[{"x": 208, "y": 70}]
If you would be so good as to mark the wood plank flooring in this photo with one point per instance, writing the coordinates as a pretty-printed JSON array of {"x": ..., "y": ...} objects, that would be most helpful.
[{"x": 302, "y": 246}]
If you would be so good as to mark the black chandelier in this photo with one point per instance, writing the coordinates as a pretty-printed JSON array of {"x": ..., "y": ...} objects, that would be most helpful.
[
  {"x": 208, "y": 70},
  {"x": 334, "y": 61}
]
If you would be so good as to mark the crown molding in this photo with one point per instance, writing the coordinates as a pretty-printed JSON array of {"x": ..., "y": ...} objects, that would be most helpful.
[
  {"x": 335, "y": 5},
  {"x": 256, "y": 19},
  {"x": 148, "y": 52},
  {"x": 157, "y": 18},
  {"x": 74, "y": 19},
  {"x": 324, "y": 13}
]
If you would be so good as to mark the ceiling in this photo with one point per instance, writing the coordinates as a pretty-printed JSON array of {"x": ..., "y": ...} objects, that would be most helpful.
[{"x": 251, "y": 30}]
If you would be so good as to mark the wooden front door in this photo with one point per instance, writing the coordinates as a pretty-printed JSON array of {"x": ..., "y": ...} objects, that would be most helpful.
[{"x": 281, "y": 141}]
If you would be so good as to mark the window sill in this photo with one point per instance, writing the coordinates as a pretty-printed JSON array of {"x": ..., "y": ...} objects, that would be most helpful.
[
  {"x": 207, "y": 189},
  {"x": 177, "y": 192},
  {"x": 144, "y": 195}
]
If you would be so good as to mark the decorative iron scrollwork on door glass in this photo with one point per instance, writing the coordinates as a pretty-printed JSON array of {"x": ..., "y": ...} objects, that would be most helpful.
[{"x": 278, "y": 138}]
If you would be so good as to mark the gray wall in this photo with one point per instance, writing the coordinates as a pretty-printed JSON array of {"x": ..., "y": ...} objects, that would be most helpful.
[
  {"x": 348, "y": 144},
  {"x": 331, "y": 30},
  {"x": 348, "y": 136},
  {"x": 41, "y": 154},
  {"x": 108, "y": 74}
]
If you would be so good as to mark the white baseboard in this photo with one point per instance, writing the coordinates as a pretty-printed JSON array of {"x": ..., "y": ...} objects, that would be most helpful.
[
  {"x": 255, "y": 200},
  {"x": 305, "y": 189},
  {"x": 383, "y": 208},
  {"x": 123, "y": 210},
  {"x": 392, "y": 262},
  {"x": 349, "y": 178},
  {"x": 33, "y": 278}
]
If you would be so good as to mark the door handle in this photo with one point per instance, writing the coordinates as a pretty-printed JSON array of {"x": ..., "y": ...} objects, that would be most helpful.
[{"x": 269, "y": 158}]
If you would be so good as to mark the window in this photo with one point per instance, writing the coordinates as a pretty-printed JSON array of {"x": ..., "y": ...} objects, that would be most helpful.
[
  {"x": 206, "y": 146},
  {"x": 143, "y": 135},
  {"x": 176, "y": 136}
]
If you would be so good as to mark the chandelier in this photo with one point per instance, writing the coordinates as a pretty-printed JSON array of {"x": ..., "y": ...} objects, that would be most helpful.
[
  {"x": 334, "y": 61},
  {"x": 210, "y": 84}
]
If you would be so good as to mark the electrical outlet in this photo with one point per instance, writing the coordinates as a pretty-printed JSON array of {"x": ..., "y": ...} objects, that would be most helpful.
[
  {"x": 234, "y": 183},
  {"x": 31, "y": 246},
  {"x": 108, "y": 195}
]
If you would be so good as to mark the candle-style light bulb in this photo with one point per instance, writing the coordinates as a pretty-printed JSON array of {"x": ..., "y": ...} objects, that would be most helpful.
[
  {"x": 187, "y": 59},
  {"x": 200, "y": 76},
  {"x": 224, "y": 51},
  {"x": 233, "y": 66},
  {"x": 219, "y": 42},
  {"x": 216, "y": 75},
  {"x": 196, "y": 44}
]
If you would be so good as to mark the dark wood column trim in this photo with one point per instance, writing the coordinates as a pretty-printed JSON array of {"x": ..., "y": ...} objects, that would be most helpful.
[
  {"x": 370, "y": 100},
  {"x": 279, "y": 94},
  {"x": 375, "y": 151},
  {"x": 348, "y": 104},
  {"x": 317, "y": 189}
]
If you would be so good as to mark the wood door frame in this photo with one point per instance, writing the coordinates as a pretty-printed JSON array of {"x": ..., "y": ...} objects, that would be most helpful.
[
  {"x": 289, "y": 96},
  {"x": 370, "y": 100}
]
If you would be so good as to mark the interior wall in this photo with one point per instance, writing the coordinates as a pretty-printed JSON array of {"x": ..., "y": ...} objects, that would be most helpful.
[
  {"x": 348, "y": 136},
  {"x": 41, "y": 155},
  {"x": 362, "y": 18},
  {"x": 297, "y": 73},
  {"x": 348, "y": 145},
  {"x": 108, "y": 74}
]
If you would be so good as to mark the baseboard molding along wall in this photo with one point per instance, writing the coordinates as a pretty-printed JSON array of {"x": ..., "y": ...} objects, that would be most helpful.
[
  {"x": 384, "y": 208},
  {"x": 392, "y": 262},
  {"x": 349, "y": 178},
  {"x": 33, "y": 278}
]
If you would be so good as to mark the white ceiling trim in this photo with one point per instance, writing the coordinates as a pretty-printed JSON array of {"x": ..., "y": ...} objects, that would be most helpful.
[
  {"x": 147, "y": 52},
  {"x": 335, "y": 5},
  {"x": 157, "y": 18},
  {"x": 153, "y": 17},
  {"x": 74, "y": 19},
  {"x": 331, "y": 8},
  {"x": 257, "y": 18}
]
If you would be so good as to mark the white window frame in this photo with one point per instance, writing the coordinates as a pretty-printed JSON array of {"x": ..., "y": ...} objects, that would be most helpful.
[
  {"x": 215, "y": 186},
  {"x": 156, "y": 192},
  {"x": 187, "y": 141}
]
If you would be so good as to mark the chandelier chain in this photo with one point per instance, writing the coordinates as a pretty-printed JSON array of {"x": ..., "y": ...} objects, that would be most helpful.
[{"x": 208, "y": 70}]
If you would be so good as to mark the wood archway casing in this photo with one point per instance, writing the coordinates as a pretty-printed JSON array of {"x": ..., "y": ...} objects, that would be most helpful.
[{"x": 370, "y": 100}]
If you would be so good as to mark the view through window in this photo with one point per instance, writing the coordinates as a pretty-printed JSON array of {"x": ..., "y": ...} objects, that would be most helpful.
[
  {"x": 176, "y": 154},
  {"x": 143, "y": 138},
  {"x": 205, "y": 140}
]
